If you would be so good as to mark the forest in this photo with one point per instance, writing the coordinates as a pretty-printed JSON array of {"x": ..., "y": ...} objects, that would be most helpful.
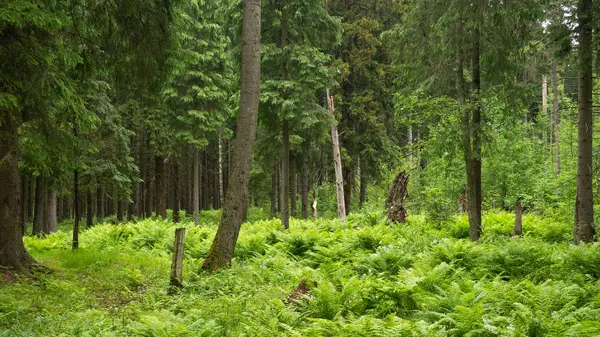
[{"x": 299, "y": 168}]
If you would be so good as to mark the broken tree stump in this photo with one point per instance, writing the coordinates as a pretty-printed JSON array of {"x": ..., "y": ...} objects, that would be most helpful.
[
  {"x": 177, "y": 264},
  {"x": 395, "y": 201}
]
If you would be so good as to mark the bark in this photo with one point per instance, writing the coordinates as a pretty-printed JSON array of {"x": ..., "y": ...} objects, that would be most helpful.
[
  {"x": 473, "y": 144},
  {"x": 120, "y": 208},
  {"x": 285, "y": 176},
  {"x": 518, "y": 230},
  {"x": 221, "y": 191},
  {"x": 273, "y": 210},
  {"x": 285, "y": 141},
  {"x": 51, "y": 222},
  {"x": 363, "y": 182},
  {"x": 395, "y": 200},
  {"x": 175, "y": 175},
  {"x": 293, "y": 190},
  {"x": 12, "y": 251},
  {"x": 278, "y": 172},
  {"x": 304, "y": 190},
  {"x": 544, "y": 95},
  {"x": 90, "y": 210},
  {"x": 40, "y": 206},
  {"x": 236, "y": 200},
  {"x": 75, "y": 242},
  {"x": 204, "y": 189},
  {"x": 24, "y": 202},
  {"x": 556, "y": 117},
  {"x": 584, "y": 212},
  {"x": 99, "y": 203},
  {"x": 337, "y": 162},
  {"x": 349, "y": 181},
  {"x": 161, "y": 190},
  {"x": 196, "y": 187}
]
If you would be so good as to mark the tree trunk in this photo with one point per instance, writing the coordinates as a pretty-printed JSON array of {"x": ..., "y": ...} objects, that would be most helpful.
[
  {"x": 293, "y": 190},
  {"x": 40, "y": 206},
  {"x": 236, "y": 200},
  {"x": 556, "y": 117},
  {"x": 50, "y": 223},
  {"x": 12, "y": 251},
  {"x": 349, "y": 181},
  {"x": 278, "y": 172},
  {"x": 161, "y": 191},
  {"x": 99, "y": 203},
  {"x": 24, "y": 192},
  {"x": 473, "y": 153},
  {"x": 90, "y": 210},
  {"x": 204, "y": 188},
  {"x": 75, "y": 242},
  {"x": 304, "y": 189},
  {"x": 584, "y": 212},
  {"x": 176, "y": 193},
  {"x": 120, "y": 208},
  {"x": 518, "y": 230},
  {"x": 285, "y": 175},
  {"x": 363, "y": 182},
  {"x": 273, "y": 210},
  {"x": 337, "y": 162},
  {"x": 285, "y": 138},
  {"x": 395, "y": 200},
  {"x": 221, "y": 191},
  {"x": 196, "y": 187}
]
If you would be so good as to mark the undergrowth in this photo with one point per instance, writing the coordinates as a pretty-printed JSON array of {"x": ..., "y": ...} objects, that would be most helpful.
[{"x": 366, "y": 278}]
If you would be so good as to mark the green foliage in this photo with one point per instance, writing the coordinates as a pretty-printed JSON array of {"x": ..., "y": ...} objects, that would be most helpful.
[{"x": 365, "y": 278}]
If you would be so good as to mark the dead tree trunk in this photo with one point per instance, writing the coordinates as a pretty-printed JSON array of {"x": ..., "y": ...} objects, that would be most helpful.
[
  {"x": 337, "y": 162},
  {"x": 518, "y": 230},
  {"x": 395, "y": 201}
]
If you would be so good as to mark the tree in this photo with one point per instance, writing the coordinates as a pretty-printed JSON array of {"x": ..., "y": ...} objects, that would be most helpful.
[
  {"x": 583, "y": 229},
  {"x": 296, "y": 70},
  {"x": 236, "y": 200}
]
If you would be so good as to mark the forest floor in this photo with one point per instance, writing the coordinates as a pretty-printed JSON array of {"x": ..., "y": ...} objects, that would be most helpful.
[{"x": 364, "y": 278}]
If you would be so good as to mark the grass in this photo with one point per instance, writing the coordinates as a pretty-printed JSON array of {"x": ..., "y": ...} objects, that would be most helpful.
[{"x": 367, "y": 279}]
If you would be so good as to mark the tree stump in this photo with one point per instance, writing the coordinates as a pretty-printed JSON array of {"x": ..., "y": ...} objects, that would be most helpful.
[
  {"x": 177, "y": 264},
  {"x": 395, "y": 201}
]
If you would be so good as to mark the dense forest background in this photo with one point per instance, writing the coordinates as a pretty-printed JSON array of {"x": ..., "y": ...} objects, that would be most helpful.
[
  {"x": 126, "y": 108},
  {"x": 409, "y": 167}
]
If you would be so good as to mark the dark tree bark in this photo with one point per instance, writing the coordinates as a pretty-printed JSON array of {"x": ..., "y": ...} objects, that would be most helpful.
[
  {"x": 556, "y": 117},
  {"x": 89, "y": 223},
  {"x": 349, "y": 181},
  {"x": 363, "y": 182},
  {"x": 76, "y": 214},
  {"x": 175, "y": 176},
  {"x": 293, "y": 189},
  {"x": 236, "y": 200},
  {"x": 40, "y": 206},
  {"x": 395, "y": 200},
  {"x": 161, "y": 190},
  {"x": 12, "y": 251},
  {"x": 285, "y": 176},
  {"x": 583, "y": 229},
  {"x": 273, "y": 210},
  {"x": 473, "y": 144},
  {"x": 196, "y": 187},
  {"x": 304, "y": 189},
  {"x": 518, "y": 230},
  {"x": 278, "y": 173},
  {"x": 99, "y": 203},
  {"x": 204, "y": 190},
  {"x": 285, "y": 138},
  {"x": 50, "y": 221},
  {"x": 120, "y": 208},
  {"x": 24, "y": 202}
]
